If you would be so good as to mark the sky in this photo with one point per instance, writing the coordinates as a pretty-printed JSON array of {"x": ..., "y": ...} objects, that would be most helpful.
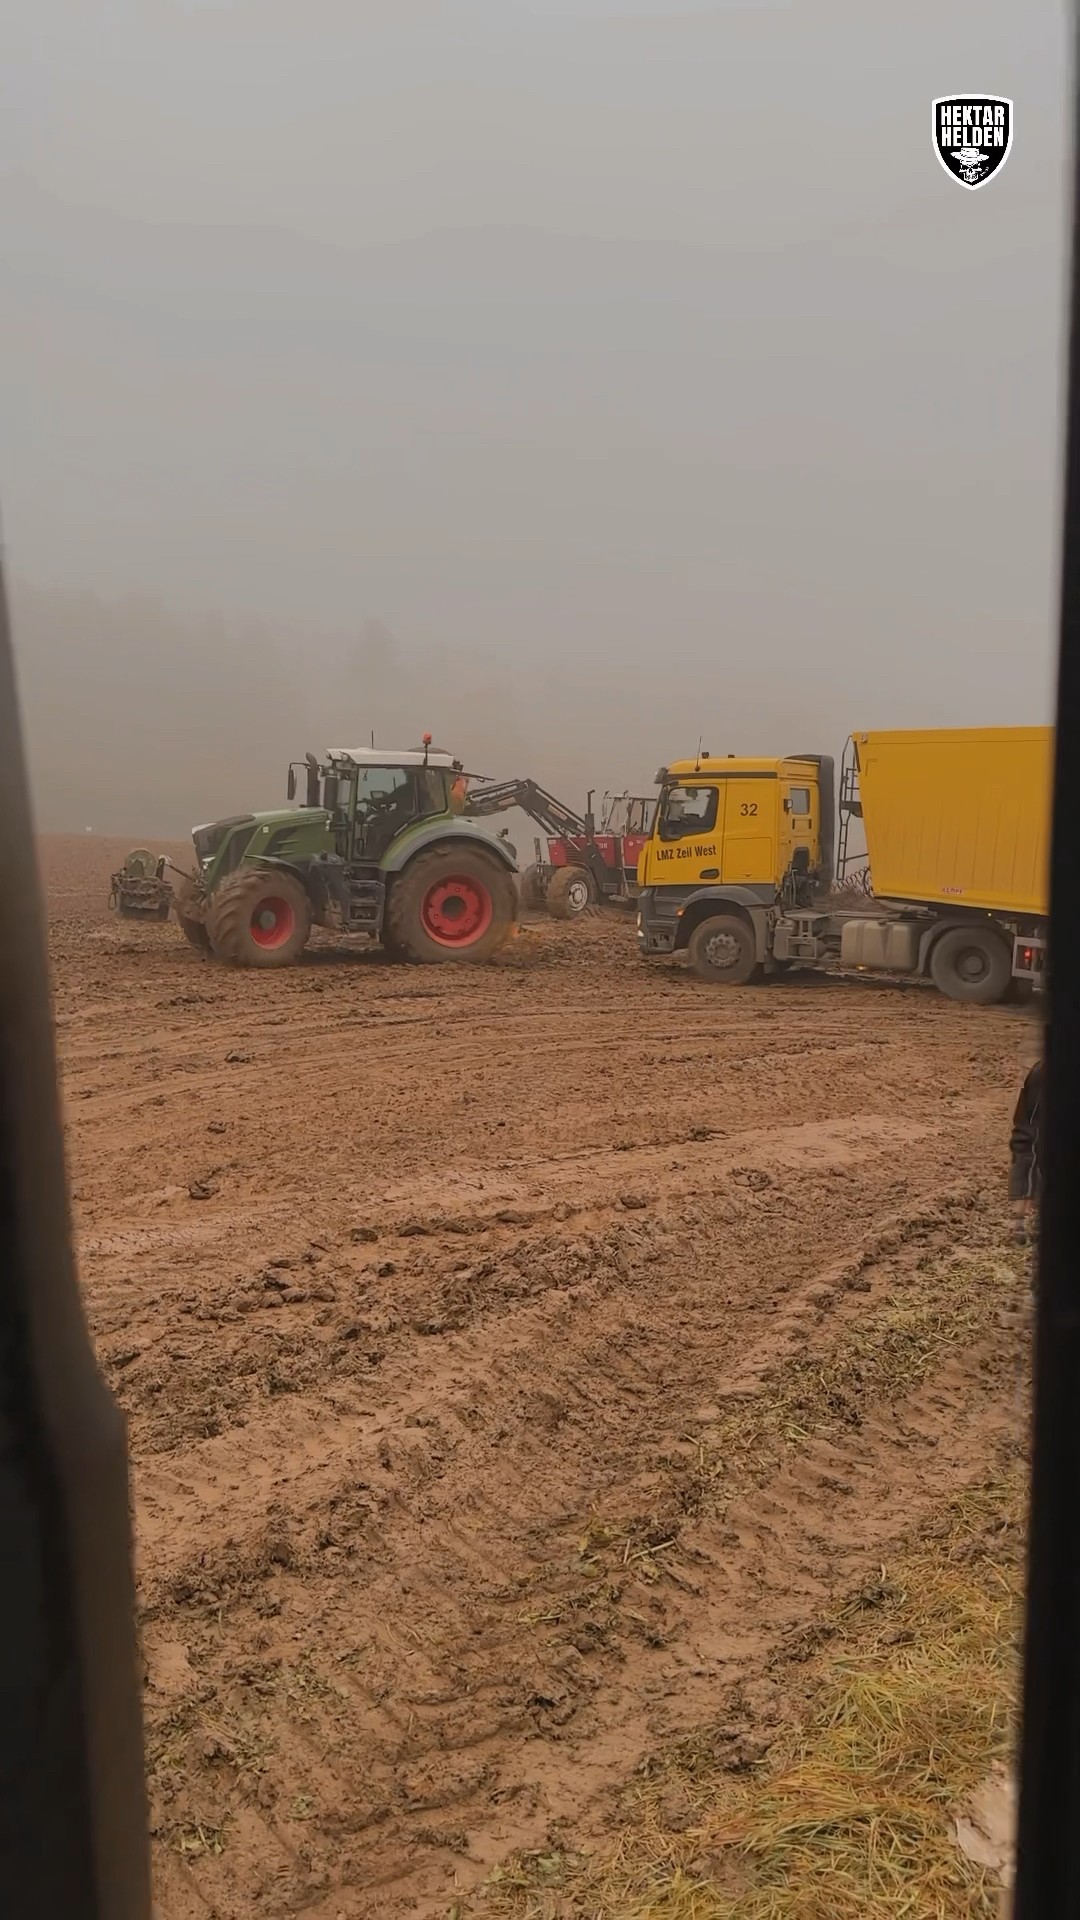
[{"x": 572, "y": 379}]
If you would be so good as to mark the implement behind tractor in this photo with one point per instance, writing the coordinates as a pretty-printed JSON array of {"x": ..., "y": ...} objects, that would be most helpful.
[
  {"x": 379, "y": 846},
  {"x": 140, "y": 890}
]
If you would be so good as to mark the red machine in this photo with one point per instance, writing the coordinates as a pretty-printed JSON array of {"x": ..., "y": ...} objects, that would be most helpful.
[{"x": 582, "y": 865}]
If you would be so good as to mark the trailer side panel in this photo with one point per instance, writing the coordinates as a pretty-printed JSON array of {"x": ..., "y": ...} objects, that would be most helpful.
[{"x": 959, "y": 818}]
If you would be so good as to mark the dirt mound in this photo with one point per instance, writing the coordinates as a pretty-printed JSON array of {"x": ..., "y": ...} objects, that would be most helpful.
[{"x": 515, "y": 1359}]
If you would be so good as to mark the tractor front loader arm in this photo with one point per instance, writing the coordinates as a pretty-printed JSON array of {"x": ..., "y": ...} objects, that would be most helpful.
[{"x": 549, "y": 814}]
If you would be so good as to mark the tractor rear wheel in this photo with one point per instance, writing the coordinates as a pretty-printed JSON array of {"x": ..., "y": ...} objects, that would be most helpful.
[
  {"x": 570, "y": 891},
  {"x": 259, "y": 917},
  {"x": 452, "y": 903},
  {"x": 192, "y": 928}
]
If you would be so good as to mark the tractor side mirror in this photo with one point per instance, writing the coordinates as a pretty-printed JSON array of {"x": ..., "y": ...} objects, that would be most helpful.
[{"x": 291, "y": 788}]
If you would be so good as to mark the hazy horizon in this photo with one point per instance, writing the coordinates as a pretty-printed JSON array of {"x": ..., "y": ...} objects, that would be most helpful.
[{"x": 569, "y": 380}]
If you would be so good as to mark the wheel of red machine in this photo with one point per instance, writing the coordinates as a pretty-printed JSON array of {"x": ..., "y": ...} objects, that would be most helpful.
[
  {"x": 973, "y": 964},
  {"x": 533, "y": 887},
  {"x": 259, "y": 917},
  {"x": 454, "y": 902},
  {"x": 191, "y": 925},
  {"x": 570, "y": 891}
]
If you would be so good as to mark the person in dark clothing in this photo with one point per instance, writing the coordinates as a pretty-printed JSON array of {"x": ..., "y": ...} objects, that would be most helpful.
[{"x": 1024, "y": 1173}]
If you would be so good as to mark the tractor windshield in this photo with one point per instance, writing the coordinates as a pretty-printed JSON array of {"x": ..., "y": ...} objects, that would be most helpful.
[
  {"x": 407, "y": 792},
  {"x": 379, "y": 788},
  {"x": 431, "y": 791},
  {"x": 389, "y": 799}
]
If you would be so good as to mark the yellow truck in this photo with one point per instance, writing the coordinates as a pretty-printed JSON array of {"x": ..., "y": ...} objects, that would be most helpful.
[{"x": 742, "y": 865}]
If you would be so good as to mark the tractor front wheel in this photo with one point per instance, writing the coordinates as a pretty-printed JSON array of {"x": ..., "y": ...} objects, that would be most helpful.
[
  {"x": 259, "y": 917},
  {"x": 191, "y": 926},
  {"x": 453, "y": 903}
]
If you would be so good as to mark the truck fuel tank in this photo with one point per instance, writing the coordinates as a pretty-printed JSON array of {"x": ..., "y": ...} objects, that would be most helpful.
[{"x": 892, "y": 945}]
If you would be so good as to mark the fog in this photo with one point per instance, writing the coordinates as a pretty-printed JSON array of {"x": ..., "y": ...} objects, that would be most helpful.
[{"x": 571, "y": 380}]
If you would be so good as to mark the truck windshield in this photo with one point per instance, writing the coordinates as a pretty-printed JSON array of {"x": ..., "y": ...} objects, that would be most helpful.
[{"x": 687, "y": 810}]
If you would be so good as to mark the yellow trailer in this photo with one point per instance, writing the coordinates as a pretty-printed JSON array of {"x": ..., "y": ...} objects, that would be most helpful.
[
  {"x": 740, "y": 868},
  {"x": 958, "y": 817}
]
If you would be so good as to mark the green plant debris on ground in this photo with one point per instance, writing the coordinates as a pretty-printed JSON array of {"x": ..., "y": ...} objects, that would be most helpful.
[
  {"x": 942, "y": 1305},
  {"x": 889, "y": 1350},
  {"x": 901, "y": 1711}
]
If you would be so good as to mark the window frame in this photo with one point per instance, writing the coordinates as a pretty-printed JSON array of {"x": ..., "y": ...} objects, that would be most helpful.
[{"x": 688, "y": 830}]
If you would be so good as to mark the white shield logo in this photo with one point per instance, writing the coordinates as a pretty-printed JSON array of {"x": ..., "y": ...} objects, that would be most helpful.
[{"x": 972, "y": 135}]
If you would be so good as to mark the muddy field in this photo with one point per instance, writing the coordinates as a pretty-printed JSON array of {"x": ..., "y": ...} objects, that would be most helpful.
[{"x": 516, "y": 1361}]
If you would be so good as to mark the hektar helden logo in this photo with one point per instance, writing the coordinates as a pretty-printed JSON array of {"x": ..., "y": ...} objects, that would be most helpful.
[{"x": 972, "y": 136}]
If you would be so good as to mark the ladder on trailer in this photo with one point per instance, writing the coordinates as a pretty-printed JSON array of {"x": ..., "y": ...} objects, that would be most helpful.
[{"x": 850, "y": 808}]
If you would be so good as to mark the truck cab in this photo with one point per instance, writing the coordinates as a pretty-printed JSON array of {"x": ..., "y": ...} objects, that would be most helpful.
[
  {"x": 744, "y": 835},
  {"x": 739, "y": 867}
]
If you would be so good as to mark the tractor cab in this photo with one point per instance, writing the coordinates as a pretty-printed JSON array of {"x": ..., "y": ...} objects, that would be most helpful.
[
  {"x": 628, "y": 814},
  {"x": 372, "y": 794}
]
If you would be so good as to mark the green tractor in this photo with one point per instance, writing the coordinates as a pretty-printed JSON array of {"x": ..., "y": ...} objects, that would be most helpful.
[{"x": 378, "y": 846}]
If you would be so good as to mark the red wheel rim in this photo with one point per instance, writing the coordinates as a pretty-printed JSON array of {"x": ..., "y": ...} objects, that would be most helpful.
[
  {"x": 457, "y": 911},
  {"x": 272, "y": 922}
]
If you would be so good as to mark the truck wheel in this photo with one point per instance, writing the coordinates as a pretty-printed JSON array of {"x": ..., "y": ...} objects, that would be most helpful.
[
  {"x": 973, "y": 964},
  {"x": 192, "y": 928},
  {"x": 259, "y": 917},
  {"x": 570, "y": 891},
  {"x": 722, "y": 949},
  {"x": 533, "y": 889},
  {"x": 453, "y": 903}
]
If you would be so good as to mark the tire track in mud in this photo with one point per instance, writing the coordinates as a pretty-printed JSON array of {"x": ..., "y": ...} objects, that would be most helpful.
[
  {"x": 418, "y": 1399},
  {"x": 507, "y": 1677},
  {"x": 476, "y": 1269}
]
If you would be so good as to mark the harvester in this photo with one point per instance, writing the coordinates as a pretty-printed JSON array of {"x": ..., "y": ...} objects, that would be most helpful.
[{"x": 379, "y": 845}]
